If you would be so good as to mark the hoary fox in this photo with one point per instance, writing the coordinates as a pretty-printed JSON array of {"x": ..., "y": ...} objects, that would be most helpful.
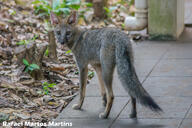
[{"x": 104, "y": 49}]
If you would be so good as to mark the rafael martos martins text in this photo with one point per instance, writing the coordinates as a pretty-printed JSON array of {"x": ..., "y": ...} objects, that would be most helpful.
[{"x": 33, "y": 124}]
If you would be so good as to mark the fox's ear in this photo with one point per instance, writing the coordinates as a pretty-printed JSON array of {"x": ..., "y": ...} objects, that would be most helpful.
[
  {"x": 54, "y": 19},
  {"x": 72, "y": 19}
]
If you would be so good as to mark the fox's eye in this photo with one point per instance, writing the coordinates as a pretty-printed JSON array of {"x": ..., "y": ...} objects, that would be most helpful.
[
  {"x": 58, "y": 32},
  {"x": 68, "y": 33}
]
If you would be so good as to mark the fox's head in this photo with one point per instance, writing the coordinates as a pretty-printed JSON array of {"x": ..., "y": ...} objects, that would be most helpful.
[{"x": 64, "y": 30}]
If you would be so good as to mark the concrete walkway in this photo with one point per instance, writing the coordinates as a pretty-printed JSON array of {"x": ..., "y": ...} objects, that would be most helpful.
[{"x": 165, "y": 69}]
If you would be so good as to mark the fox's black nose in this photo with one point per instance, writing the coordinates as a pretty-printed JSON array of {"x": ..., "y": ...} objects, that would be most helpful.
[{"x": 61, "y": 41}]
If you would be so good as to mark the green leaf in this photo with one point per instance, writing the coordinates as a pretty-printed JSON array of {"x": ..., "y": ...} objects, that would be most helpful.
[
  {"x": 45, "y": 2},
  {"x": 25, "y": 62},
  {"x": 46, "y": 92},
  {"x": 56, "y": 4},
  {"x": 106, "y": 9},
  {"x": 75, "y": 6},
  {"x": 33, "y": 66},
  {"x": 27, "y": 69},
  {"x": 22, "y": 42},
  {"x": 108, "y": 12},
  {"x": 30, "y": 68},
  {"x": 67, "y": 52},
  {"x": 36, "y": 2},
  {"x": 45, "y": 83},
  {"x": 51, "y": 85},
  {"x": 45, "y": 87},
  {"x": 88, "y": 4},
  {"x": 64, "y": 10},
  {"x": 123, "y": 25},
  {"x": 47, "y": 52}
]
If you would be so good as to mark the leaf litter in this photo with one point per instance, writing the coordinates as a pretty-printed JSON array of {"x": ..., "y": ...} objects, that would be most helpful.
[{"x": 22, "y": 98}]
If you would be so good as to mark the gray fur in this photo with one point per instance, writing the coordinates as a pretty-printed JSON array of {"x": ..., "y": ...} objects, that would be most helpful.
[{"x": 104, "y": 49}]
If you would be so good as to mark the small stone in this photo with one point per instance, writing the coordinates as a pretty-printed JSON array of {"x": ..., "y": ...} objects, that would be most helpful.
[{"x": 47, "y": 98}]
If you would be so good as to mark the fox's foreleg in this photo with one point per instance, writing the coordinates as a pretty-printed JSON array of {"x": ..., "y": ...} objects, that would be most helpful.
[{"x": 83, "y": 81}]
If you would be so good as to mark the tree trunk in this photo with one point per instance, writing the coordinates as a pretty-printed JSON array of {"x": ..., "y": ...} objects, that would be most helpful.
[
  {"x": 52, "y": 45},
  {"x": 98, "y": 6}
]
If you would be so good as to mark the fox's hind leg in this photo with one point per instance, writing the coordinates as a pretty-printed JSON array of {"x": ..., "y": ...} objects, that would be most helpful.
[
  {"x": 107, "y": 66},
  {"x": 97, "y": 68},
  {"x": 134, "y": 108},
  {"x": 107, "y": 75},
  {"x": 83, "y": 82}
]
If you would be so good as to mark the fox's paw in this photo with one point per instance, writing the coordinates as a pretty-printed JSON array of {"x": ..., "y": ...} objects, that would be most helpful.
[
  {"x": 76, "y": 106},
  {"x": 102, "y": 116}
]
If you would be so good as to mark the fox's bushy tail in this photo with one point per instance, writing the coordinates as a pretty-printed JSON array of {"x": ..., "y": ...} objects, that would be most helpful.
[{"x": 129, "y": 79}]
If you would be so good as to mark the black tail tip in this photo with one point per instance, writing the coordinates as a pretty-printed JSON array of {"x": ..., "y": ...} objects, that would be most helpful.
[{"x": 150, "y": 103}]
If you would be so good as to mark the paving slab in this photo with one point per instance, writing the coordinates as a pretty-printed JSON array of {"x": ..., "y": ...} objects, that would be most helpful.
[
  {"x": 146, "y": 123},
  {"x": 173, "y": 67},
  {"x": 92, "y": 107},
  {"x": 189, "y": 115},
  {"x": 93, "y": 89},
  {"x": 187, "y": 123},
  {"x": 169, "y": 86},
  {"x": 173, "y": 107},
  {"x": 144, "y": 66},
  {"x": 179, "y": 51},
  {"x": 150, "y": 50}
]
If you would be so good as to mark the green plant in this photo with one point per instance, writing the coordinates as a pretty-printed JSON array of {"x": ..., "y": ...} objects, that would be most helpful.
[
  {"x": 46, "y": 87},
  {"x": 47, "y": 52},
  {"x": 123, "y": 26},
  {"x": 67, "y": 52},
  {"x": 43, "y": 7},
  {"x": 22, "y": 42},
  {"x": 108, "y": 11},
  {"x": 29, "y": 67},
  {"x": 131, "y": 2},
  {"x": 25, "y": 42}
]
